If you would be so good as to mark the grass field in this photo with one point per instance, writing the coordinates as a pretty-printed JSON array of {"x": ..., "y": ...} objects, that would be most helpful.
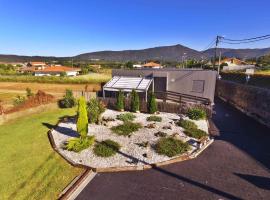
[
  {"x": 7, "y": 97},
  {"x": 263, "y": 72},
  {"x": 29, "y": 168},
  {"x": 82, "y": 79}
]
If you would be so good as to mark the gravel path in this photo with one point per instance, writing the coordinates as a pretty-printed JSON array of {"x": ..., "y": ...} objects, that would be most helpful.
[{"x": 131, "y": 154}]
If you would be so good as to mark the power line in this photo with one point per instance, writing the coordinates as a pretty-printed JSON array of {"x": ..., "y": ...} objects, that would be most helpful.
[
  {"x": 247, "y": 39},
  {"x": 211, "y": 44}
]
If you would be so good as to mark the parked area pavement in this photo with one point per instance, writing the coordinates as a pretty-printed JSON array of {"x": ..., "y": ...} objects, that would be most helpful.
[{"x": 235, "y": 166}]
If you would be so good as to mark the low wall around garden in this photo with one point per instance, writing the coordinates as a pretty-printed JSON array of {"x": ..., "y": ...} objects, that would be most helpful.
[
  {"x": 12, "y": 116},
  {"x": 253, "y": 101}
]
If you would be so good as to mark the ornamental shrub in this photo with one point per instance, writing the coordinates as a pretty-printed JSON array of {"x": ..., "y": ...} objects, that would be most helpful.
[
  {"x": 171, "y": 147},
  {"x": 106, "y": 148},
  {"x": 68, "y": 100},
  {"x": 152, "y": 104},
  {"x": 94, "y": 110},
  {"x": 29, "y": 93},
  {"x": 196, "y": 113},
  {"x": 126, "y": 128},
  {"x": 19, "y": 100},
  {"x": 120, "y": 102},
  {"x": 187, "y": 124},
  {"x": 82, "y": 121},
  {"x": 135, "y": 101},
  {"x": 79, "y": 144},
  {"x": 126, "y": 117},
  {"x": 154, "y": 118},
  {"x": 195, "y": 133}
]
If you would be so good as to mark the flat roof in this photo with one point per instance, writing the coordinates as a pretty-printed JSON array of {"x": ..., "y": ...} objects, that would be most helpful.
[{"x": 117, "y": 83}]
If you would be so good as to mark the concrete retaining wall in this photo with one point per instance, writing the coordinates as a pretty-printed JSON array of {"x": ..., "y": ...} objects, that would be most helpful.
[{"x": 253, "y": 101}]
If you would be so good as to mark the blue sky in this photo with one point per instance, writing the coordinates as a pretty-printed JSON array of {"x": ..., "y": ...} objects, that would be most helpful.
[{"x": 71, "y": 27}]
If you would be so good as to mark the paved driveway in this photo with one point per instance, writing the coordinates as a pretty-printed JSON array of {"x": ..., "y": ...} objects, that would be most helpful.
[{"x": 235, "y": 166}]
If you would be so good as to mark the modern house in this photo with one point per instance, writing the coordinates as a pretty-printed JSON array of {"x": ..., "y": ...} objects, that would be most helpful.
[{"x": 190, "y": 82}]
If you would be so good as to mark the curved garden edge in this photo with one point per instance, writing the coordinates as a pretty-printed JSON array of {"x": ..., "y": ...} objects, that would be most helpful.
[{"x": 179, "y": 158}]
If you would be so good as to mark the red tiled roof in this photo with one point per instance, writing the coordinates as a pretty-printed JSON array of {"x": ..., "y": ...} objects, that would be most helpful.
[
  {"x": 37, "y": 63},
  {"x": 151, "y": 64},
  {"x": 58, "y": 69}
]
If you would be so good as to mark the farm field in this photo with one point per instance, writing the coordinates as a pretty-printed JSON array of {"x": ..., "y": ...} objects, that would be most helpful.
[
  {"x": 7, "y": 97},
  {"x": 9, "y": 90},
  {"x": 30, "y": 169},
  {"x": 82, "y": 79}
]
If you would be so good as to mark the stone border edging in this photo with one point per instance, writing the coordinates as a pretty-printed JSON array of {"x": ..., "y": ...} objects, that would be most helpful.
[
  {"x": 73, "y": 189},
  {"x": 180, "y": 158}
]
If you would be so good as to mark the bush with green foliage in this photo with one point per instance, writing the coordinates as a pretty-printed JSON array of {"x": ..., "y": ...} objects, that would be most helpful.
[
  {"x": 120, "y": 101},
  {"x": 187, "y": 124},
  {"x": 106, "y": 148},
  {"x": 135, "y": 101},
  {"x": 195, "y": 133},
  {"x": 94, "y": 109},
  {"x": 29, "y": 93},
  {"x": 126, "y": 117},
  {"x": 154, "y": 118},
  {"x": 68, "y": 100},
  {"x": 171, "y": 147},
  {"x": 18, "y": 100},
  {"x": 152, "y": 104},
  {"x": 79, "y": 144},
  {"x": 63, "y": 74},
  {"x": 126, "y": 128},
  {"x": 196, "y": 113},
  {"x": 82, "y": 121}
]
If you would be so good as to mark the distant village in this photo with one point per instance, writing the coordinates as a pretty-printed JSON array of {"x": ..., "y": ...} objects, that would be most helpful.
[{"x": 44, "y": 69}]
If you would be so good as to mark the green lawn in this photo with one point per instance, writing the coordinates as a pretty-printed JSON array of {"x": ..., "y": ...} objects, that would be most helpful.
[{"x": 29, "y": 168}]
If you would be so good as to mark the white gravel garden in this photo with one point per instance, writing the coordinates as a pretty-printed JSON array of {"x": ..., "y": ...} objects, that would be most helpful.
[
  {"x": 102, "y": 138},
  {"x": 137, "y": 148}
]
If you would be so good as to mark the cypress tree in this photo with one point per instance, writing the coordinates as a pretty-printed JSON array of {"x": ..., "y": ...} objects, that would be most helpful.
[
  {"x": 120, "y": 103},
  {"x": 152, "y": 104},
  {"x": 135, "y": 101},
  {"x": 82, "y": 121}
]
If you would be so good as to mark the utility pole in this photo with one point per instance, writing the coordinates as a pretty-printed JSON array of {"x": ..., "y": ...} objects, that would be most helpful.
[
  {"x": 219, "y": 62},
  {"x": 217, "y": 42}
]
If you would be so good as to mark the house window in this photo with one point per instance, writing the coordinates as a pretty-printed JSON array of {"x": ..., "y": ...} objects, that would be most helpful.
[{"x": 198, "y": 86}]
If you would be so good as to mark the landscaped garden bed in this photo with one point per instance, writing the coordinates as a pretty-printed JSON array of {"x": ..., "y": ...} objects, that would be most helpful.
[{"x": 124, "y": 139}]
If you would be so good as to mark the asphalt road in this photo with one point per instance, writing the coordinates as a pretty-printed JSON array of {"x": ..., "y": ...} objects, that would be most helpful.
[{"x": 235, "y": 166}]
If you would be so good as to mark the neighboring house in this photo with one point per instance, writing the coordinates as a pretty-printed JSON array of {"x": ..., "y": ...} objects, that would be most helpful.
[
  {"x": 152, "y": 65},
  {"x": 195, "y": 82},
  {"x": 36, "y": 64},
  {"x": 57, "y": 71},
  {"x": 233, "y": 62},
  {"x": 137, "y": 66}
]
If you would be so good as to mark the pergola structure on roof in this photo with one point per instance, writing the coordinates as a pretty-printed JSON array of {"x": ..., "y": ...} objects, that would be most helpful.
[{"x": 127, "y": 84}]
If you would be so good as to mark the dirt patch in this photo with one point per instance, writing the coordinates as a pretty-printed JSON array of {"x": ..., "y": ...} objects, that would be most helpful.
[{"x": 40, "y": 98}]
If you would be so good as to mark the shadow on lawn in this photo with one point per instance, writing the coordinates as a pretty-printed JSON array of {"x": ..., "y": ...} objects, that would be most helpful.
[
  {"x": 63, "y": 130},
  {"x": 32, "y": 176}
]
